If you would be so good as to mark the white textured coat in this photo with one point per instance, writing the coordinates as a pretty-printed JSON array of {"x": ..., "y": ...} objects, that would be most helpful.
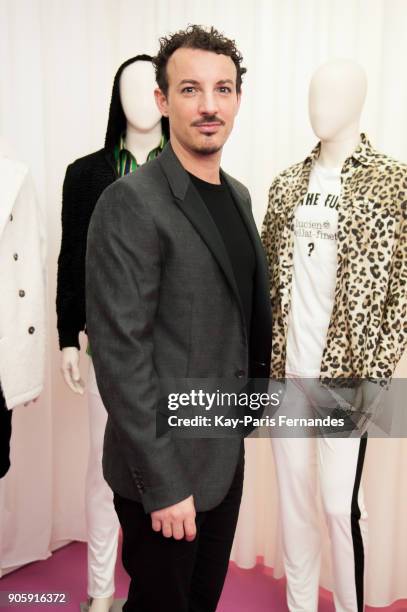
[{"x": 22, "y": 286}]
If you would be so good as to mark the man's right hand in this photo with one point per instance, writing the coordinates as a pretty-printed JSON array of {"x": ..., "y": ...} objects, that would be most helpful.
[
  {"x": 177, "y": 521},
  {"x": 70, "y": 369}
]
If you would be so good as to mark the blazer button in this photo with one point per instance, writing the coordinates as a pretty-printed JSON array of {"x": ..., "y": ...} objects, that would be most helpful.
[
  {"x": 239, "y": 373},
  {"x": 11, "y": 217},
  {"x": 31, "y": 330},
  {"x": 15, "y": 256},
  {"x": 21, "y": 293}
]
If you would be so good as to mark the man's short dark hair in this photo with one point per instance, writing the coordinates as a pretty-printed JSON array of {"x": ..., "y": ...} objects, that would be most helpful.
[{"x": 196, "y": 37}]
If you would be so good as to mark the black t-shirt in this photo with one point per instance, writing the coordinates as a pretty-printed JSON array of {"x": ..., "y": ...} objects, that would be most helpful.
[{"x": 225, "y": 214}]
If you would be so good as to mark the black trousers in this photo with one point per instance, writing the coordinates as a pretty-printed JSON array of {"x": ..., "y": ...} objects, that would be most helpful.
[
  {"x": 176, "y": 575},
  {"x": 5, "y": 435}
]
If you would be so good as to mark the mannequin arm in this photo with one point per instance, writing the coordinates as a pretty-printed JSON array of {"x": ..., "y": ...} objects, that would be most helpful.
[
  {"x": 268, "y": 230},
  {"x": 392, "y": 340},
  {"x": 71, "y": 261},
  {"x": 70, "y": 369}
]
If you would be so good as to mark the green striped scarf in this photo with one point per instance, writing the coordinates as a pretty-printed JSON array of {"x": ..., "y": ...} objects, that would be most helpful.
[{"x": 126, "y": 162}]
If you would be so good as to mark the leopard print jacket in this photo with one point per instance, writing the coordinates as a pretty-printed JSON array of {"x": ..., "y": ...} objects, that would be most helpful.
[{"x": 367, "y": 332}]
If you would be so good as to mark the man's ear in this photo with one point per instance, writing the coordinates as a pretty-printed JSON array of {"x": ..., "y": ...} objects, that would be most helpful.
[{"x": 161, "y": 101}]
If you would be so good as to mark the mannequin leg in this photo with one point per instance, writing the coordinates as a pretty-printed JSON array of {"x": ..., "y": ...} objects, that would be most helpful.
[
  {"x": 102, "y": 521},
  {"x": 5, "y": 435},
  {"x": 296, "y": 467},
  {"x": 340, "y": 465}
]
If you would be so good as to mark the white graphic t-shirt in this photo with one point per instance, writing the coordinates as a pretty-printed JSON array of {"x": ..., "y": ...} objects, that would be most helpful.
[{"x": 314, "y": 273}]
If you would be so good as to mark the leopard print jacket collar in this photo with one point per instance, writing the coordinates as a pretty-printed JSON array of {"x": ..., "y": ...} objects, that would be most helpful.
[{"x": 367, "y": 333}]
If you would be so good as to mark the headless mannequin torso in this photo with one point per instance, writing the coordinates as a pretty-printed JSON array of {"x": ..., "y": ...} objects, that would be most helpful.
[
  {"x": 336, "y": 96},
  {"x": 143, "y": 133}
]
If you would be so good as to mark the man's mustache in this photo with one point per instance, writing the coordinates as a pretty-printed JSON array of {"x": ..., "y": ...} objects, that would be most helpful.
[{"x": 208, "y": 119}]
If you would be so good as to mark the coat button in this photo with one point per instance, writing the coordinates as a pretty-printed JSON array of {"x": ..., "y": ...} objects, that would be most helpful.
[
  {"x": 11, "y": 217},
  {"x": 31, "y": 330},
  {"x": 239, "y": 373},
  {"x": 21, "y": 293},
  {"x": 15, "y": 256}
]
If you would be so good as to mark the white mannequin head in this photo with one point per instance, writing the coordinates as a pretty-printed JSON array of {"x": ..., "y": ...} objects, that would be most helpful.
[
  {"x": 336, "y": 96},
  {"x": 137, "y": 85}
]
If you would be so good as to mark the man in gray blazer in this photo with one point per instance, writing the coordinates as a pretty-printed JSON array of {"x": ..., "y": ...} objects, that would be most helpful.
[{"x": 177, "y": 289}]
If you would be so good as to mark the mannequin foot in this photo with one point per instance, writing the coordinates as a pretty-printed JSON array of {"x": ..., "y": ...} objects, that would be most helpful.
[{"x": 100, "y": 604}]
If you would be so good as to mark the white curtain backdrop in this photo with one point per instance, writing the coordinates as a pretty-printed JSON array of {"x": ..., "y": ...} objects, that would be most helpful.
[{"x": 57, "y": 62}]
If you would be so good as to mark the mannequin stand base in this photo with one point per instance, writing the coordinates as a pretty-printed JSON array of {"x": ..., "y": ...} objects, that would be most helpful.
[{"x": 117, "y": 606}]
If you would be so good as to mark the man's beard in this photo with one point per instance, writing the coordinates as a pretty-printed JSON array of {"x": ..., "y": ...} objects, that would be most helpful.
[{"x": 208, "y": 150}]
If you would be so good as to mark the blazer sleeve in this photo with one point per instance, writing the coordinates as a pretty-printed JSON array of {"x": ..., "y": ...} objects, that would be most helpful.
[{"x": 123, "y": 267}]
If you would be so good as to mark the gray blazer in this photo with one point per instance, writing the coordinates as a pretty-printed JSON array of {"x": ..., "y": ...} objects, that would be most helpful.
[{"x": 162, "y": 303}]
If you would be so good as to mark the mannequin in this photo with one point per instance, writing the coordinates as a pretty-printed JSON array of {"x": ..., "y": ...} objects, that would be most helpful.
[
  {"x": 337, "y": 303},
  {"x": 22, "y": 307},
  {"x": 336, "y": 97},
  {"x": 144, "y": 129},
  {"x": 135, "y": 134}
]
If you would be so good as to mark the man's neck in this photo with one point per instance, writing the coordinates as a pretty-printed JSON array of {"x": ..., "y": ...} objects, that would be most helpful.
[
  {"x": 205, "y": 167},
  {"x": 334, "y": 152},
  {"x": 141, "y": 143}
]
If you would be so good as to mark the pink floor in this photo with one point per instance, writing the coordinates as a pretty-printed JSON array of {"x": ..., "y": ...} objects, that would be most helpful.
[{"x": 245, "y": 590}]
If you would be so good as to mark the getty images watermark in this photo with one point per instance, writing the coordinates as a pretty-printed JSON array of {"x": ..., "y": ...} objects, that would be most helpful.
[
  {"x": 294, "y": 407},
  {"x": 220, "y": 400},
  {"x": 207, "y": 401}
]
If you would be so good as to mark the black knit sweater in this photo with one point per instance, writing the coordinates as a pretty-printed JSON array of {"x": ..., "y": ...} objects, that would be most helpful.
[{"x": 85, "y": 179}]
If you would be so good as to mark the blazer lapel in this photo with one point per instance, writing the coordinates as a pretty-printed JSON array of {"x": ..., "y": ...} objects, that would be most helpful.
[
  {"x": 247, "y": 217},
  {"x": 261, "y": 331},
  {"x": 190, "y": 202},
  {"x": 195, "y": 209}
]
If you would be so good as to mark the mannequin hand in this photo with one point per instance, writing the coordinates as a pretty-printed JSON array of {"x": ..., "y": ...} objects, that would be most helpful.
[
  {"x": 33, "y": 400},
  {"x": 177, "y": 521},
  {"x": 70, "y": 369},
  {"x": 368, "y": 400}
]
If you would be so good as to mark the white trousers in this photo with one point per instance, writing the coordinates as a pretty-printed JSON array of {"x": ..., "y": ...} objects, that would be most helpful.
[
  {"x": 101, "y": 519},
  {"x": 337, "y": 464}
]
